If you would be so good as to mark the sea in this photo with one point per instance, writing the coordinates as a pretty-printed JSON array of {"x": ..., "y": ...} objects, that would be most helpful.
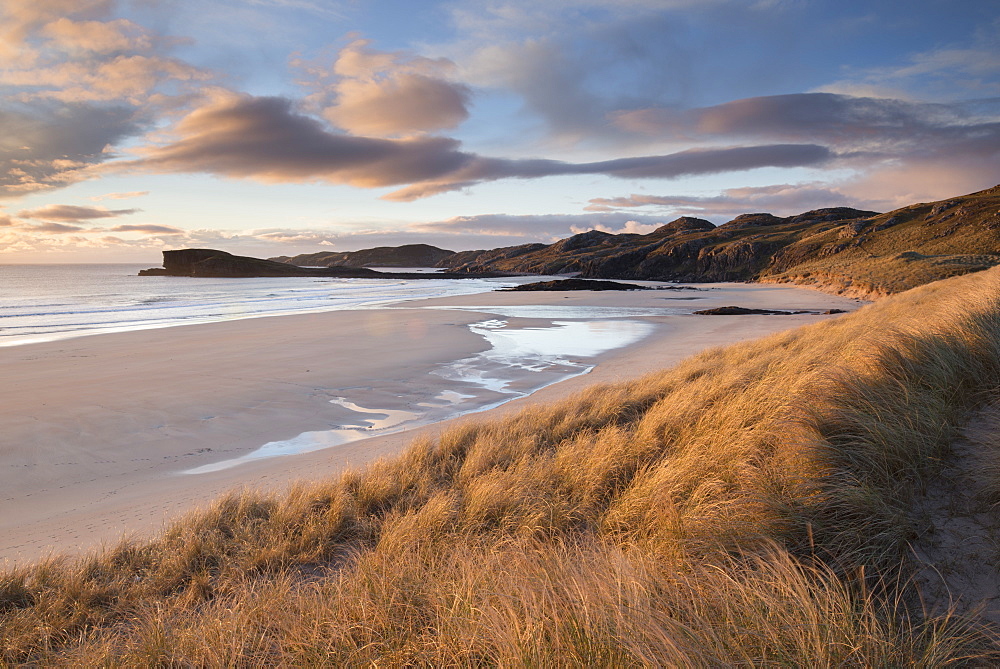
[{"x": 48, "y": 302}]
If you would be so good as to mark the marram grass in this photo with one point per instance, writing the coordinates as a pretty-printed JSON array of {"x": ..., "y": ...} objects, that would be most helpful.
[{"x": 746, "y": 507}]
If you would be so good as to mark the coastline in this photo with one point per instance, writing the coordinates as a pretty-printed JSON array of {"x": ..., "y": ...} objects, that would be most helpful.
[{"x": 123, "y": 415}]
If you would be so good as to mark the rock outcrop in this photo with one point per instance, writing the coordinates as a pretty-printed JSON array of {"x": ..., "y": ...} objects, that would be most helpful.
[
  {"x": 578, "y": 284},
  {"x": 747, "y": 311}
]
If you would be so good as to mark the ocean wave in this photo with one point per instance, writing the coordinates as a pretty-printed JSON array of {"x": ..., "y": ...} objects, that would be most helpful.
[{"x": 49, "y": 302}]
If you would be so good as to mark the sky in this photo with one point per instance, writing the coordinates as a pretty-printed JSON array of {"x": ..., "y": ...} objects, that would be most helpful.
[{"x": 278, "y": 127}]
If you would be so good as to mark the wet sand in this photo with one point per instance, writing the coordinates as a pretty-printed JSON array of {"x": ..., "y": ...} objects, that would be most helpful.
[{"x": 96, "y": 433}]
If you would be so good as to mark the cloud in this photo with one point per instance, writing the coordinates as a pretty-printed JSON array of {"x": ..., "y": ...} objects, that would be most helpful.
[
  {"x": 56, "y": 228},
  {"x": 148, "y": 229},
  {"x": 683, "y": 163},
  {"x": 383, "y": 94},
  {"x": 47, "y": 146},
  {"x": 569, "y": 81},
  {"x": 68, "y": 212},
  {"x": 845, "y": 122},
  {"x": 549, "y": 81},
  {"x": 121, "y": 78},
  {"x": 548, "y": 227},
  {"x": 264, "y": 139},
  {"x": 782, "y": 199},
  {"x": 19, "y": 18},
  {"x": 571, "y": 64},
  {"x": 286, "y": 236},
  {"x": 75, "y": 52},
  {"x": 971, "y": 69},
  {"x": 120, "y": 196},
  {"x": 955, "y": 143},
  {"x": 76, "y": 82},
  {"x": 97, "y": 36}
]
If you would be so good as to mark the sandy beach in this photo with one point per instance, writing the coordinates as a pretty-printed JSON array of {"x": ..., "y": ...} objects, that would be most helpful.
[{"x": 98, "y": 432}]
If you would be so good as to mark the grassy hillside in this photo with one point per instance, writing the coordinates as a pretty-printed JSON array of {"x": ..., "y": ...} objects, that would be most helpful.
[
  {"x": 748, "y": 506},
  {"x": 898, "y": 250},
  {"x": 842, "y": 250}
]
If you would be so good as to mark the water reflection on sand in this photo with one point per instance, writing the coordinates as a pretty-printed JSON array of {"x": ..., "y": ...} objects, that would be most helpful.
[{"x": 519, "y": 361}]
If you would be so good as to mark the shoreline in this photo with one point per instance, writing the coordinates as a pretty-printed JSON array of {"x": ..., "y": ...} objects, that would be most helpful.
[{"x": 98, "y": 428}]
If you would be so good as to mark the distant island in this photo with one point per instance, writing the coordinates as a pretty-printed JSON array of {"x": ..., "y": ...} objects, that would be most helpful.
[
  {"x": 407, "y": 255},
  {"x": 212, "y": 263}
]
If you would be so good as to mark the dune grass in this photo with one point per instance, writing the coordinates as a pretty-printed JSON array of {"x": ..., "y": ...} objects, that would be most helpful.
[
  {"x": 858, "y": 273},
  {"x": 746, "y": 507}
]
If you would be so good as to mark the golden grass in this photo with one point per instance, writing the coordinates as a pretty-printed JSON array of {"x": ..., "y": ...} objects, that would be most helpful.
[
  {"x": 860, "y": 274},
  {"x": 746, "y": 507}
]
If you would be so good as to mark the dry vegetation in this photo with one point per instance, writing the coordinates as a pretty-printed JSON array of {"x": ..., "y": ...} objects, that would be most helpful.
[
  {"x": 898, "y": 250},
  {"x": 745, "y": 507}
]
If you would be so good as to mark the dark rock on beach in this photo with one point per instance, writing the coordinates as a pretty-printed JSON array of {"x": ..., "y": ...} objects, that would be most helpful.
[
  {"x": 743, "y": 311},
  {"x": 578, "y": 284}
]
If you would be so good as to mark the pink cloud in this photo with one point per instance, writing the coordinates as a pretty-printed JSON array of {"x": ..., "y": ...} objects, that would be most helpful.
[
  {"x": 98, "y": 36},
  {"x": 148, "y": 229},
  {"x": 784, "y": 199},
  {"x": 56, "y": 228},
  {"x": 264, "y": 139},
  {"x": 120, "y": 196},
  {"x": 389, "y": 94},
  {"x": 68, "y": 212}
]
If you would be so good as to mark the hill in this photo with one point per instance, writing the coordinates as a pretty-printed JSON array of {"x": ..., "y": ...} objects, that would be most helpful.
[
  {"x": 754, "y": 505},
  {"x": 408, "y": 255},
  {"x": 844, "y": 250}
]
